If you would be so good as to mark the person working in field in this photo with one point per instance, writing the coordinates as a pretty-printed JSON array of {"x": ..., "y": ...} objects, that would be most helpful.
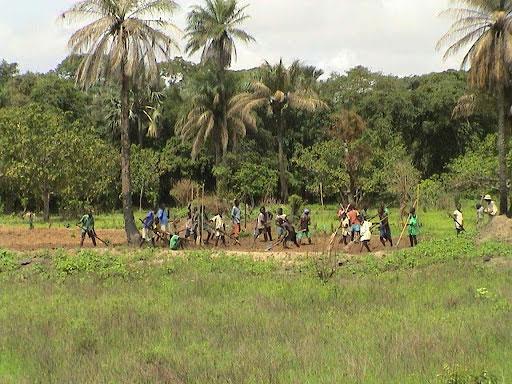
[
  {"x": 261, "y": 225},
  {"x": 492, "y": 208},
  {"x": 86, "y": 225},
  {"x": 458, "y": 219},
  {"x": 355, "y": 223},
  {"x": 345, "y": 226},
  {"x": 305, "y": 222},
  {"x": 289, "y": 233},
  {"x": 220, "y": 228},
  {"x": 366, "y": 234},
  {"x": 385, "y": 229},
  {"x": 176, "y": 242},
  {"x": 163, "y": 217},
  {"x": 236, "y": 216},
  {"x": 268, "y": 224},
  {"x": 148, "y": 233},
  {"x": 414, "y": 227},
  {"x": 279, "y": 229}
]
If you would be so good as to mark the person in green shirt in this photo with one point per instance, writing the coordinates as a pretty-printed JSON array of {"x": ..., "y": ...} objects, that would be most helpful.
[
  {"x": 414, "y": 227},
  {"x": 175, "y": 243},
  {"x": 86, "y": 225}
]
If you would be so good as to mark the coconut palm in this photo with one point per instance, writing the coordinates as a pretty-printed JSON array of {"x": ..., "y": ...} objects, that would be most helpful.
[
  {"x": 486, "y": 27},
  {"x": 123, "y": 41},
  {"x": 280, "y": 89},
  {"x": 213, "y": 29},
  {"x": 198, "y": 121}
]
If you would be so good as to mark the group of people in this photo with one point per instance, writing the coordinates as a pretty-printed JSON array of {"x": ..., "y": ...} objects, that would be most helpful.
[{"x": 356, "y": 226}]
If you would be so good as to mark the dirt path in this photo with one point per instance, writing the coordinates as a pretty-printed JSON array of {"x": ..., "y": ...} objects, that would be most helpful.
[{"x": 22, "y": 239}]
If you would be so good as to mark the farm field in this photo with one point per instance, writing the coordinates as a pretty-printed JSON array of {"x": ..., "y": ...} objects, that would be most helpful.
[{"x": 432, "y": 314}]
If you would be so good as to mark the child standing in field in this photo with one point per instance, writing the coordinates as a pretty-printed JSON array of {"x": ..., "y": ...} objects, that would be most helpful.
[
  {"x": 305, "y": 222},
  {"x": 147, "y": 229},
  {"x": 345, "y": 224},
  {"x": 366, "y": 234},
  {"x": 458, "y": 218},
  {"x": 413, "y": 225},
  {"x": 236, "y": 216},
  {"x": 479, "y": 215},
  {"x": 220, "y": 228}
]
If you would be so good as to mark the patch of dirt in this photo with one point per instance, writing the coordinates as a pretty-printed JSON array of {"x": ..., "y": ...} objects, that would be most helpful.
[
  {"x": 499, "y": 228},
  {"x": 23, "y": 239}
]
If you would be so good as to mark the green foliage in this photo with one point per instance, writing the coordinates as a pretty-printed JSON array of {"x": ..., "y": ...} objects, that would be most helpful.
[
  {"x": 7, "y": 261},
  {"x": 102, "y": 265},
  {"x": 146, "y": 172},
  {"x": 296, "y": 203}
]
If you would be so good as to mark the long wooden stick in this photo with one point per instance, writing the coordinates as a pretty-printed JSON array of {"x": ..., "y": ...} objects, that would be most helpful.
[{"x": 408, "y": 217}]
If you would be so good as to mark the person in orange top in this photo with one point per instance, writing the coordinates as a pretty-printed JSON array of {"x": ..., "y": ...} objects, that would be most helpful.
[{"x": 355, "y": 223}]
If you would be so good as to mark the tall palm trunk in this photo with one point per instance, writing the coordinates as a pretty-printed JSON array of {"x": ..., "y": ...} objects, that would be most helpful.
[
  {"x": 502, "y": 151},
  {"x": 283, "y": 180},
  {"x": 132, "y": 234}
]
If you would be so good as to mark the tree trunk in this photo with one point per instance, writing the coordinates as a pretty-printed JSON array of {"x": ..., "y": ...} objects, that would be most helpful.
[
  {"x": 132, "y": 234},
  {"x": 502, "y": 151},
  {"x": 282, "y": 161},
  {"x": 46, "y": 205},
  {"x": 140, "y": 132}
]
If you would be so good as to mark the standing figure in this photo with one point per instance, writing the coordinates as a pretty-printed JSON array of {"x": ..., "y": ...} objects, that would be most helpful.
[
  {"x": 345, "y": 225},
  {"x": 268, "y": 224},
  {"x": 236, "y": 215},
  {"x": 147, "y": 229},
  {"x": 279, "y": 229},
  {"x": 355, "y": 223},
  {"x": 458, "y": 218},
  {"x": 385, "y": 229},
  {"x": 261, "y": 225},
  {"x": 366, "y": 234},
  {"x": 220, "y": 228},
  {"x": 414, "y": 227},
  {"x": 479, "y": 215},
  {"x": 305, "y": 222},
  {"x": 86, "y": 225},
  {"x": 163, "y": 217}
]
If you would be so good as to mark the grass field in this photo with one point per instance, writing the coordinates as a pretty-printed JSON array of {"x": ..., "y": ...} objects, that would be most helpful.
[
  {"x": 434, "y": 223},
  {"x": 435, "y": 314}
]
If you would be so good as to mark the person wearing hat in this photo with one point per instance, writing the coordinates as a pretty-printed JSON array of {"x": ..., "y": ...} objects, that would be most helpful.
[
  {"x": 305, "y": 222},
  {"x": 491, "y": 209}
]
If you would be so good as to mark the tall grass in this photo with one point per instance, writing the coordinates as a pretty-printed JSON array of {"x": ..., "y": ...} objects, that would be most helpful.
[{"x": 199, "y": 318}]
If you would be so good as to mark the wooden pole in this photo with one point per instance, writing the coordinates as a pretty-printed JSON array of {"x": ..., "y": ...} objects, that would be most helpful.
[{"x": 322, "y": 194}]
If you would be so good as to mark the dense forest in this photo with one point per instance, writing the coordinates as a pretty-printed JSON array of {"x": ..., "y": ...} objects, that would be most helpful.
[{"x": 371, "y": 136}]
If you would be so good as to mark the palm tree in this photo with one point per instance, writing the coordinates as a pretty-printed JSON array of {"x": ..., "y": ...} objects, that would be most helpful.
[
  {"x": 213, "y": 30},
  {"x": 486, "y": 26},
  {"x": 198, "y": 117},
  {"x": 281, "y": 89},
  {"x": 124, "y": 41}
]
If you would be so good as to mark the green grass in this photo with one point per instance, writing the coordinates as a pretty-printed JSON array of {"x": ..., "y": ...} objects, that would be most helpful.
[{"x": 435, "y": 314}]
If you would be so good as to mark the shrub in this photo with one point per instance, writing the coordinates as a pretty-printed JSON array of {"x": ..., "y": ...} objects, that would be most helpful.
[{"x": 296, "y": 204}]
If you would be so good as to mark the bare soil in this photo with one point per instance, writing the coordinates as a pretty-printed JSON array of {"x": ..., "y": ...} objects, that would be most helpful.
[{"x": 23, "y": 239}]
